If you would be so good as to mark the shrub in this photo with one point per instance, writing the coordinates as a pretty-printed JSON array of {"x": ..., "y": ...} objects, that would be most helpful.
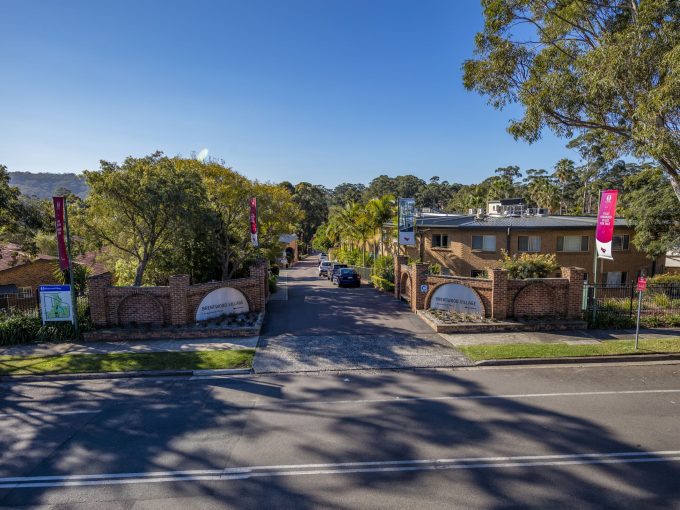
[
  {"x": 665, "y": 278},
  {"x": 384, "y": 267},
  {"x": 21, "y": 328},
  {"x": 529, "y": 265},
  {"x": 272, "y": 283},
  {"x": 434, "y": 268},
  {"x": 382, "y": 283}
]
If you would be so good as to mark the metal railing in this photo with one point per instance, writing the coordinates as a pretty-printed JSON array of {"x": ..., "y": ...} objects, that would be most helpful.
[
  {"x": 658, "y": 300},
  {"x": 15, "y": 304}
]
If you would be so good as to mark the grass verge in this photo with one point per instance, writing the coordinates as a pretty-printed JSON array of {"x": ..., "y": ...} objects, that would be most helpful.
[
  {"x": 561, "y": 350},
  {"x": 126, "y": 362}
]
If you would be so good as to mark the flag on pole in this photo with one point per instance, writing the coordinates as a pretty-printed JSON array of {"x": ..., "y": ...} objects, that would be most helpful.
[
  {"x": 605, "y": 224},
  {"x": 59, "y": 205},
  {"x": 253, "y": 221}
]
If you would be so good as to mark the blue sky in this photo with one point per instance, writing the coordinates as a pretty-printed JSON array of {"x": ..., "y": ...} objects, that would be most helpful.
[{"x": 325, "y": 91}]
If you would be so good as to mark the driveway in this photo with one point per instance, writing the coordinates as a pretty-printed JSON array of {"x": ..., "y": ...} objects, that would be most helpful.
[{"x": 322, "y": 327}]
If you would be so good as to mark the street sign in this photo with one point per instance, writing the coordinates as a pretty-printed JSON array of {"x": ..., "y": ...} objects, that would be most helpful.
[
  {"x": 56, "y": 303},
  {"x": 423, "y": 288},
  {"x": 641, "y": 287},
  {"x": 641, "y": 284}
]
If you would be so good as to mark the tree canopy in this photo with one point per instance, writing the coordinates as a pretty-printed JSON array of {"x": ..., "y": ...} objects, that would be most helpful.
[{"x": 606, "y": 71}]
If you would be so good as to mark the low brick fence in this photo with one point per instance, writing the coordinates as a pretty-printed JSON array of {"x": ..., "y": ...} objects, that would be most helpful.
[
  {"x": 499, "y": 297},
  {"x": 172, "y": 305}
]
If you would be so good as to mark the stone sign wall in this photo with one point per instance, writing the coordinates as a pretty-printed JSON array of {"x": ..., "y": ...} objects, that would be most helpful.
[
  {"x": 177, "y": 304},
  {"x": 497, "y": 296}
]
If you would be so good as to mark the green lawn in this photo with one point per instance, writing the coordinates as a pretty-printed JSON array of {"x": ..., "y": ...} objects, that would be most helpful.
[
  {"x": 559, "y": 350},
  {"x": 125, "y": 362}
]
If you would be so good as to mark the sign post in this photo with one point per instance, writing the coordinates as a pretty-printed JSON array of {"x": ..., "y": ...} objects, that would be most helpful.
[
  {"x": 407, "y": 221},
  {"x": 641, "y": 287},
  {"x": 604, "y": 233},
  {"x": 253, "y": 222},
  {"x": 65, "y": 263}
]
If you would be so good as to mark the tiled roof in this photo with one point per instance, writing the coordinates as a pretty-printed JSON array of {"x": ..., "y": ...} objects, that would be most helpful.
[
  {"x": 522, "y": 222},
  {"x": 11, "y": 256}
]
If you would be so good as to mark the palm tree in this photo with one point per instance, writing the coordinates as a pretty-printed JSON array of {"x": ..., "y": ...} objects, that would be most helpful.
[{"x": 380, "y": 211}]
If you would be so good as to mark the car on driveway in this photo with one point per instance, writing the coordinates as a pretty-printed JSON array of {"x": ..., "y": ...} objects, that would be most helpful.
[
  {"x": 335, "y": 267},
  {"x": 347, "y": 277},
  {"x": 324, "y": 267}
]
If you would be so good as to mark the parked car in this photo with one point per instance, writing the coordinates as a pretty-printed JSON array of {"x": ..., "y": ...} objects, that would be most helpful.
[
  {"x": 324, "y": 266},
  {"x": 335, "y": 267},
  {"x": 323, "y": 256},
  {"x": 347, "y": 277}
]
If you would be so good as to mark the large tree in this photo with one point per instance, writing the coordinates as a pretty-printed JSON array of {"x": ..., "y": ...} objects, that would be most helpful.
[
  {"x": 312, "y": 199},
  {"x": 608, "y": 69},
  {"x": 141, "y": 206}
]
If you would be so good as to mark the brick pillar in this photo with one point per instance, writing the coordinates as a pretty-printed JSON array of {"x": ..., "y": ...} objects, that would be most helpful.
[
  {"x": 179, "y": 306},
  {"x": 499, "y": 293},
  {"x": 260, "y": 271},
  {"x": 419, "y": 271},
  {"x": 575, "y": 292},
  {"x": 398, "y": 261},
  {"x": 96, "y": 293}
]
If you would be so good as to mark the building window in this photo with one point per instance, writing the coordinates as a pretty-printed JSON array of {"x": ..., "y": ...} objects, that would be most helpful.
[
  {"x": 529, "y": 243},
  {"x": 620, "y": 243},
  {"x": 572, "y": 243},
  {"x": 484, "y": 243},
  {"x": 25, "y": 292},
  {"x": 440, "y": 240},
  {"x": 615, "y": 277}
]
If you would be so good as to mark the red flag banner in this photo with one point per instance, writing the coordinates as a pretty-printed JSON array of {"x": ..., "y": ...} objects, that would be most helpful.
[
  {"x": 59, "y": 205},
  {"x": 605, "y": 224},
  {"x": 253, "y": 221}
]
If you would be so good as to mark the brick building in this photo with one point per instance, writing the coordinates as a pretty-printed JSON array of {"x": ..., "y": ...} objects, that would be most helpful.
[{"x": 467, "y": 245}]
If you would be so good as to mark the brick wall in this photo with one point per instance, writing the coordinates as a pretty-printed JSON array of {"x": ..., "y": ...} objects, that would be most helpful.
[
  {"x": 31, "y": 274},
  {"x": 501, "y": 297},
  {"x": 174, "y": 304}
]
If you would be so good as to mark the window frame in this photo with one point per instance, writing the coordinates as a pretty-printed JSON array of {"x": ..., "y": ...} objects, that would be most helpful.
[
  {"x": 581, "y": 250},
  {"x": 482, "y": 250},
  {"x": 441, "y": 237},
  {"x": 625, "y": 242},
  {"x": 528, "y": 239}
]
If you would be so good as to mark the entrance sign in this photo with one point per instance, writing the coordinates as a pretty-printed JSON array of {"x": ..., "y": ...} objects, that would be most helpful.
[
  {"x": 56, "y": 303},
  {"x": 457, "y": 298},
  {"x": 641, "y": 284},
  {"x": 223, "y": 301},
  {"x": 253, "y": 221},
  {"x": 605, "y": 224},
  {"x": 407, "y": 221},
  {"x": 59, "y": 207}
]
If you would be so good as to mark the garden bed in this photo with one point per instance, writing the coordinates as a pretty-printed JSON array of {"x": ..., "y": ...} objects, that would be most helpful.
[{"x": 469, "y": 323}]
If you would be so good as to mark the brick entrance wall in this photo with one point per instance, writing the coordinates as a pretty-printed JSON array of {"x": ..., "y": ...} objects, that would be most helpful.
[
  {"x": 172, "y": 305},
  {"x": 502, "y": 298}
]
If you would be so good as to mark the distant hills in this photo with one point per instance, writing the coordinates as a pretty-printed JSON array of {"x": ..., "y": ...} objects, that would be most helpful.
[{"x": 46, "y": 185}]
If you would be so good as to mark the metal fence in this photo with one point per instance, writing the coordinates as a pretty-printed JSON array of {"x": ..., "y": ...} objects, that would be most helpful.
[
  {"x": 18, "y": 304},
  {"x": 364, "y": 272},
  {"x": 621, "y": 301}
]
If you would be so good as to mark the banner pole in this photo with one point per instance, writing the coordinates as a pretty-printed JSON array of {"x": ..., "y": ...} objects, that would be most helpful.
[{"x": 74, "y": 297}]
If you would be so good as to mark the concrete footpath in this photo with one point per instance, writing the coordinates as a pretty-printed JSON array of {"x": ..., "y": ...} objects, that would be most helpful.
[{"x": 187, "y": 345}]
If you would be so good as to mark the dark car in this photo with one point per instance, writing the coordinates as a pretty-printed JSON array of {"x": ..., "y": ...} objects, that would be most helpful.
[
  {"x": 335, "y": 267},
  {"x": 347, "y": 277}
]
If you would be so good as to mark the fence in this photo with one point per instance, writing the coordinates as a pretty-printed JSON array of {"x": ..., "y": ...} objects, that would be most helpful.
[
  {"x": 617, "y": 304},
  {"x": 364, "y": 272},
  {"x": 16, "y": 304}
]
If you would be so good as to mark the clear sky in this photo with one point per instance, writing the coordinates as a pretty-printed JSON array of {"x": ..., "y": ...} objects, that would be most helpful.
[{"x": 325, "y": 91}]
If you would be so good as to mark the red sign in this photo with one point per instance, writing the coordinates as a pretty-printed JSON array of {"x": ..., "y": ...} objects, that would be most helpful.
[
  {"x": 642, "y": 284},
  {"x": 59, "y": 225},
  {"x": 253, "y": 221},
  {"x": 605, "y": 224}
]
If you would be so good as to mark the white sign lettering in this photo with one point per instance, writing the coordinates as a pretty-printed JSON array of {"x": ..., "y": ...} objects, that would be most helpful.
[
  {"x": 457, "y": 298},
  {"x": 224, "y": 301}
]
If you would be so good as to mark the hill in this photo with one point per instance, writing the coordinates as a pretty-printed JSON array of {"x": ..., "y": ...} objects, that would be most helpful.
[{"x": 46, "y": 185}]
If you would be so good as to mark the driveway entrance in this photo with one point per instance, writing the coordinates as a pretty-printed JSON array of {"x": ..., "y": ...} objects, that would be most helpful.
[{"x": 322, "y": 327}]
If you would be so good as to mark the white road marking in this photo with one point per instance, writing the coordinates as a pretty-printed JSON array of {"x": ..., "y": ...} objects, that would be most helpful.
[
  {"x": 241, "y": 473},
  {"x": 48, "y": 413},
  {"x": 467, "y": 397}
]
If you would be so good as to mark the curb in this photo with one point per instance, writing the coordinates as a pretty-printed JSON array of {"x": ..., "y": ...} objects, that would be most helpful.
[
  {"x": 124, "y": 375},
  {"x": 625, "y": 358}
]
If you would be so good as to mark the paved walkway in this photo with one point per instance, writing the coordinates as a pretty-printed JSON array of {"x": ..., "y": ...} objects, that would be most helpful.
[
  {"x": 188, "y": 345},
  {"x": 322, "y": 327}
]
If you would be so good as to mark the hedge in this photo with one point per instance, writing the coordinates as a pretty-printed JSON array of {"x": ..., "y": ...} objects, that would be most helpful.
[
  {"x": 382, "y": 283},
  {"x": 21, "y": 328}
]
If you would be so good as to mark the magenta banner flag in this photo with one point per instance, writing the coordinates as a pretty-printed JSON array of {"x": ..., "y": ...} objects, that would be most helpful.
[
  {"x": 253, "y": 221},
  {"x": 605, "y": 224},
  {"x": 59, "y": 205}
]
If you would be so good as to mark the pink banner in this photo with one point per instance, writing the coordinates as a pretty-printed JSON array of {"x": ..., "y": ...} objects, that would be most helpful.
[
  {"x": 59, "y": 205},
  {"x": 253, "y": 221},
  {"x": 605, "y": 224}
]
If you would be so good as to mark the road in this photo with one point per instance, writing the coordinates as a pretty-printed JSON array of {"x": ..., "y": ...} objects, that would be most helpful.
[
  {"x": 322, "y": 327},
  {"x": 565, "y": 437}
]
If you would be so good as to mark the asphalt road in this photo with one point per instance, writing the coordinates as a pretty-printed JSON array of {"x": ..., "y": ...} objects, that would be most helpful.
[
  {"x": 566, "y": 437},
  {"x": 322, "y": 327}
]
